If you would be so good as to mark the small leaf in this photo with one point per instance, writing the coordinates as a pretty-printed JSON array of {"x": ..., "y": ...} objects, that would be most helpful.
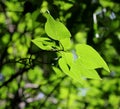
[
  {"x": 90, "y": 57},
  {"x": 68, "y": 56},
  {"x": 55, "y": 29},
  {"x": 35, "y": 14},
  {"x": 66, "y": 61},
  {"x": 57, "y": 71},
  {"x": 66, "y": 43},
  {"x": 63, "y": 65},
  {"x": 45, "y": 43}
]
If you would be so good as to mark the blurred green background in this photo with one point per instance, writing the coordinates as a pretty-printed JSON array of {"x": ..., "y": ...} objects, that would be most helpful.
[{"x": 27, "y": 79}]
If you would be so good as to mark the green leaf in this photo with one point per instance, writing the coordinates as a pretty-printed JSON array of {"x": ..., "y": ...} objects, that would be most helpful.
[
  {"x": 90, "y": 57},
  {"x": 35, "y": 14},
  {"x": 57, "y": 71},
  {"x": 83, "y": 71},
  {"x": 45, "y": 43},
  {"x": 66, "y": 61},
  {"x": 55, "y": 29},
  {"x": 63, "y": 65},
  {"x": 68, "y": 57},
  {"x": 66, "y": 43},
  {"x": 76, "y": 69}
]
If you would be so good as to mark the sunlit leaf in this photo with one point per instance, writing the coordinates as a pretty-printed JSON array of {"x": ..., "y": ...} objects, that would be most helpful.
[
  {"x": 65, "y": 68},
  {"x": 57, "y": 71},
  {"x": 76, "y": 69},
  {"x": 90, "y": 57},
  {"x": 68, "y": 56},
  {"x": 55, "y": 29},
  {"x": 63, "y": 65},
  {"x": 66, "y": 43},
  {"x": 84, "y": 72}
]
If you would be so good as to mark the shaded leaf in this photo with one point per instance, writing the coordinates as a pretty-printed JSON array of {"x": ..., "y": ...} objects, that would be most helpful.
[{"x": 45, "y": 43}]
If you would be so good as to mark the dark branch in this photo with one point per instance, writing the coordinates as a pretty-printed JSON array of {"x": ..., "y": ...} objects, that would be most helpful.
[{"x": 20, "y": 72}]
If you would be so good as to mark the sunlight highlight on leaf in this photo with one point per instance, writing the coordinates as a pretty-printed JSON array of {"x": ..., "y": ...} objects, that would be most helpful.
[
  {"x": 90, "y": 57},
  {"x": 55, "y": 29}
]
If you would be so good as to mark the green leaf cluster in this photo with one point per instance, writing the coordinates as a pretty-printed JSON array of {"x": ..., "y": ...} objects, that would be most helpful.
[
  {"x": 88, "y": 59},
  {"x": 47, "y": 72}
]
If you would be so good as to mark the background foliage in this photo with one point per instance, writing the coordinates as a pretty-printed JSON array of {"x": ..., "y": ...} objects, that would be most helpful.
[{"x": 28, "y": 76}]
